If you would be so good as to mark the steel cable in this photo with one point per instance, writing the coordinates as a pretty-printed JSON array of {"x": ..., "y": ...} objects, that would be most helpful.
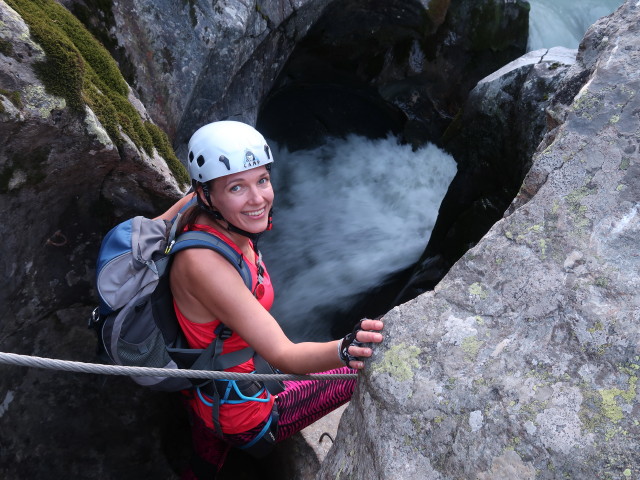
[{"x": 82, "y": 367}]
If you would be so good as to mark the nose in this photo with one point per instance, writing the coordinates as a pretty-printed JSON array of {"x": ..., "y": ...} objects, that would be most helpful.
[{"x": 255, "y": 194}]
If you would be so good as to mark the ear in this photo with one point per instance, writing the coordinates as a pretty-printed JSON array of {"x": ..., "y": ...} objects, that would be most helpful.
[{"x": 204, "y": 191}]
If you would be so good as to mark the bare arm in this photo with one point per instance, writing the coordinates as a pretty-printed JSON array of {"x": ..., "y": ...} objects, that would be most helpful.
[
  {"x": 203, "y": 296},
  {"x": 176, "y": 207}
]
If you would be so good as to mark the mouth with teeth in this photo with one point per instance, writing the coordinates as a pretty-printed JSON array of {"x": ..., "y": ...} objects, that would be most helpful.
[{"x": 255, "y": 213}]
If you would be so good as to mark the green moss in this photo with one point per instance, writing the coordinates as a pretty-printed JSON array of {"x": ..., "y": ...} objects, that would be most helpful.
[
  {"x": 29, "y": 165},
  {"x": 586, "y": 104},
  {"x": 477, "y": 290},
  {"x": 6, "y": 47},
  {"x": 80, "y": 70},
  {"x": 105, "y": 110},
  {"x": 63, "y": 69},
  {"x": 399, "y": 362},
  {"x": 14, "y": 97},
  {"x": 624, "y": 163},
  {"x": 601, "y": 282},
  {"x": 578, "y": 211},
  {"x": 542, "y": 243},
  {"x": 597, "y": 327},
  {"x": 489, "y": 30},
  {"x": 162, "y": 145},
  {"x": 471, "y": 346},
  {"x": 601, "y": 408},
  {"x": 260, "y": 10},
  {"x": 610, "y": 407}
]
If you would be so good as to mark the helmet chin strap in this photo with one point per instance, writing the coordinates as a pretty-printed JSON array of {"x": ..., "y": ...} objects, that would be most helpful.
[{"x": 210, "y": 210}]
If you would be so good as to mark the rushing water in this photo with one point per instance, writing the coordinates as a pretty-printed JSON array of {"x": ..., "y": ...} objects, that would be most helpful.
[
  {"x": 347, "y": 214},
  {"x": 562, "y": 23}
]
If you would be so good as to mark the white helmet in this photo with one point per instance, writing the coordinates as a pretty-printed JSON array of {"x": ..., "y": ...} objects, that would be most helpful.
[{"x": 222, "y": 148}]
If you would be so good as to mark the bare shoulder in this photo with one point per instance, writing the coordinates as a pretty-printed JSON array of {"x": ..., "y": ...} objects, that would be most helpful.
[
  {"x": 176, "y": 207},
  {"x": 206, "y": 286},
  {"x": 200, "y": 264}
]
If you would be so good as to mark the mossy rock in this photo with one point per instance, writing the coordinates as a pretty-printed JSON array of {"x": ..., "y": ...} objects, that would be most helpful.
[
  {"x": 13, "y": 96},
  {"x": 80, "y": 70},
  {"x": 6, "y": 47}
]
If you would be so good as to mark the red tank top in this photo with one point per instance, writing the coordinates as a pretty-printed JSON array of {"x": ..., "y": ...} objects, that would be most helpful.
[{"x": 234, "y": 418}]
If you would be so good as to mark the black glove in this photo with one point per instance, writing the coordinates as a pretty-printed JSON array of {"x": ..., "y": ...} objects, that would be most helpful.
[{"x": 350, "y": 339}]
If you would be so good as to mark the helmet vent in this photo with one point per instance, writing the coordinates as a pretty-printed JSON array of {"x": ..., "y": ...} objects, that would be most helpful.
[
  {"x": 191, "y": 156},
  {"x": 266, "y": 150},
  {"x": 225, "y": 160},
  {"x": 200, "y": 160}
]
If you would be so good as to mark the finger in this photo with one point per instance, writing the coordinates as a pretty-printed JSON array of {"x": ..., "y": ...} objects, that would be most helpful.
[
  {"x": 372, "y": 325},
  {"x": 360, "y": 351},
  {"x": 369, "y": 337},
  {"x": 356, "y": 364}
]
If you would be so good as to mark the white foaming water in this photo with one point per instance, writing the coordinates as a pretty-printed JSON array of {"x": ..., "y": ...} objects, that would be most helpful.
[
  {"x": 347, "y": 214},
  {"x": 563, "y": 23}
]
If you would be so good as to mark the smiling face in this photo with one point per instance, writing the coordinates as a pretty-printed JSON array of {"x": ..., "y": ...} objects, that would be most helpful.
[{"x": 244, "y": 199}]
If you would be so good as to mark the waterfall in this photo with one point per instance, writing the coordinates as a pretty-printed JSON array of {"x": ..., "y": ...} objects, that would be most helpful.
[
  {"x": 347, "y": 214},
  {"x": 563, "y": 23}
]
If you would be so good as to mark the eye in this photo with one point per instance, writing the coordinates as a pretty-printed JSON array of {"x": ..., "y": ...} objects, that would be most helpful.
[
  {"x": 263, "y": 181},
  {"x": 235, "y": 188}
]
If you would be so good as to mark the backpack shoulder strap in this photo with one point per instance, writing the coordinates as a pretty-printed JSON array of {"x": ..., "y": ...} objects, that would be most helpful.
[{"x": 199, "y": 239}]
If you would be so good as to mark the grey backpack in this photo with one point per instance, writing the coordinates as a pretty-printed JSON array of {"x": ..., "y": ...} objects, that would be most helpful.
[{"x": 135, "y": 320}]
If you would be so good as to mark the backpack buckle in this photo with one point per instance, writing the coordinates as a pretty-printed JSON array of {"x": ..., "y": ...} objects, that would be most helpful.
[
  {"x": 167, "y": 250},
  {"x": 94, "y": 318},
  {"x": 223, "y": 332}
]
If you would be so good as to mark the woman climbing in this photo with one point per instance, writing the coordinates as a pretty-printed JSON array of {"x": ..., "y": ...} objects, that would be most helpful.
[{"x": 229, "y": 164}]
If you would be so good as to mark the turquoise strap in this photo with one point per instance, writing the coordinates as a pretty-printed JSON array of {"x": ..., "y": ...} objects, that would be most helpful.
[{"x": 264, "y": 430}]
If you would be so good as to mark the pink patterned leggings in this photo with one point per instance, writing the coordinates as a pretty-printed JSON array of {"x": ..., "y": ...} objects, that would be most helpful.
[{"x": 301, "y": 404}]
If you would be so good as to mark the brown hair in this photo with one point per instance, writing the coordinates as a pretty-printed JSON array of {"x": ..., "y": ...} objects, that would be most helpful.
[{"x": 188, "y": 218}]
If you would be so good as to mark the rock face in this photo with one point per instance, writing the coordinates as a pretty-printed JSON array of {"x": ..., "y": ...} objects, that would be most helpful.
[
  {"x": 403, "y": 66},
  {"x": 493, "y": 140},
  {"x": 523, "y": 363},
  {"x": 63, "y": 179},
  {"x": 63, "y": 182},
  {"x": 201, "y": 61}
]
